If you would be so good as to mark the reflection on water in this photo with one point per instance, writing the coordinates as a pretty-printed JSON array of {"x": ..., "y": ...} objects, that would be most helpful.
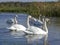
[
  {"x": 46, "y": 40},
  {"x": 19, "y": 38},
  {"x": 19, "y": 34},
  {"x": 30, "y": 39}
]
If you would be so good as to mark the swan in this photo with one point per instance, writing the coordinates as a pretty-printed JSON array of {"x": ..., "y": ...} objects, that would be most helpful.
[
  {"x": 12, "y": 21},
  {"x": 37, "y": 22},
  {"x": 34, "y": 29},
  {"x": 40, "y": 19},
  {"x": 16, "y": 26}
]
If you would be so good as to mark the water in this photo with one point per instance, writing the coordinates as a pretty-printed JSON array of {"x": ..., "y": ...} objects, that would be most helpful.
[{"x": 19, "y": 38}]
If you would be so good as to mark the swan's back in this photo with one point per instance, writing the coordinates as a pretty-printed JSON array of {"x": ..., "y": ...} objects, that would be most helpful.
[
  {"x": 17, "y": 27},
  {"x": 36, "y": 30}
]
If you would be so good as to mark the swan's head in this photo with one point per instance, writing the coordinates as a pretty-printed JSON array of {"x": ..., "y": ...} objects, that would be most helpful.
[
  {"x": 43, "y": 18},
  {"x": 30, "y": 16},
  {"x": 47, "y": 19}
]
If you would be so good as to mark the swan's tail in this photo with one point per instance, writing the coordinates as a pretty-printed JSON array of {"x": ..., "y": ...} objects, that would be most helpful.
[{"x": 27, "y": 32}]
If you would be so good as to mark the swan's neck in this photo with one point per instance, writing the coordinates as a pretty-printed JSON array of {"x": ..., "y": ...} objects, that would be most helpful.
[
  {"x": 15, "y": 20},
  {"x": 40, "y": 17},
  {"x": 45, "y": 27},
  {"x": 28, "y": 25}
]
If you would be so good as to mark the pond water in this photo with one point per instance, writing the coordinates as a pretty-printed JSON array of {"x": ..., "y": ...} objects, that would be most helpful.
[{"x": 19, "y": 38}]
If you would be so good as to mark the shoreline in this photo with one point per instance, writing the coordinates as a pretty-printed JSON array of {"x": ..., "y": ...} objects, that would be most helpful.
[{"x": 50, "y": 9}]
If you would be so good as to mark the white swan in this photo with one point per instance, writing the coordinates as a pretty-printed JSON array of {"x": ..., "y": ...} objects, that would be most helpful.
[
  {"x": 35, "y": 30},
  {"x": 12, "y": 20},
  {"x": 38, "y": 20},
  {"x": 17, "y": 27}
]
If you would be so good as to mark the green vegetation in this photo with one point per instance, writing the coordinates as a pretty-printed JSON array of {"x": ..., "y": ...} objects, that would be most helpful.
[{"x": 32, "y": 8}]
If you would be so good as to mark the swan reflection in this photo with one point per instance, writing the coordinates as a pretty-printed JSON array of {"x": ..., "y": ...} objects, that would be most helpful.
[
  {"x": 37, "y": 39},
  {"x": 46, "y": 40},
  {"x": 32, "y": 38},
  {"x": 17, "y": 34}
]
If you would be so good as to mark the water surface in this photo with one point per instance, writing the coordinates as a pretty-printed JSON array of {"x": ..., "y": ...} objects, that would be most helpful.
[{"x": 19, "y": 38}]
